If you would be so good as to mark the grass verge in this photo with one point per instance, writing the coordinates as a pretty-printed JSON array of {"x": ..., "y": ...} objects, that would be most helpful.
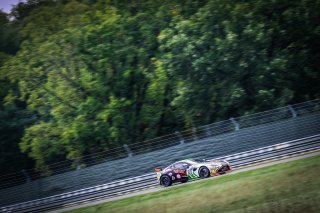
[{"x": 287, "y": 187}]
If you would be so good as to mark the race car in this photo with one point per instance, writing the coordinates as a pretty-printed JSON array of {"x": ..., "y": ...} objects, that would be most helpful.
[{"x": 184, "y": 170}]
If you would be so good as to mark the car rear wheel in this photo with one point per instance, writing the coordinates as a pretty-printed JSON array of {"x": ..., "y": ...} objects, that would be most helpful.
[
  {"x": 165, "y": 180},
  {"x": 204, "y": 172}
]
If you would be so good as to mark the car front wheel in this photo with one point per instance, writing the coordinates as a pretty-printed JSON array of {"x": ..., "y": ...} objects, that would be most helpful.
[
  {"x": 165, "y": 180},
  {"x": 204, "y": 172}
]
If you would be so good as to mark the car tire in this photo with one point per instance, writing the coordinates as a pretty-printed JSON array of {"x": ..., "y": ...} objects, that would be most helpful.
[
  {"x": 204, "y": 172},
  {"x": 165, "y": 180}
]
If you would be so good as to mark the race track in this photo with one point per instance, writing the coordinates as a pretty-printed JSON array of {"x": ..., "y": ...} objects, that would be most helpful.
[{"x": 147, "y": 183}]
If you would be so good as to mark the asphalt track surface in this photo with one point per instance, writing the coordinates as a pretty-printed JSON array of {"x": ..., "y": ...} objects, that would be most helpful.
[{"x": 159, "y": 188}]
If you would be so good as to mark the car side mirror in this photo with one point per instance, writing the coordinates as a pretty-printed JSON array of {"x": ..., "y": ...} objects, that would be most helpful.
[{"x": 158, "y": 169}]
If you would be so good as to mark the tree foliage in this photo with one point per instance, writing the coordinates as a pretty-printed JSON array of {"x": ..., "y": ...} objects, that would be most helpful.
[{"x": 80, "y": 77}]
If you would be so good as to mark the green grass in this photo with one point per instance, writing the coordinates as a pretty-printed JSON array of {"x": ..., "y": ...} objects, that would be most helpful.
[{"x": 287, "y": 187}]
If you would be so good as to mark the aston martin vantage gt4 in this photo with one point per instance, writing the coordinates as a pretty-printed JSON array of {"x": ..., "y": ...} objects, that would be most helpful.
[{"x": 184, "y": 170}]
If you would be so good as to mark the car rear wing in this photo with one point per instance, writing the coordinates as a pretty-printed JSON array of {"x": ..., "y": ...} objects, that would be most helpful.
[{"x": 158, "y": 169}]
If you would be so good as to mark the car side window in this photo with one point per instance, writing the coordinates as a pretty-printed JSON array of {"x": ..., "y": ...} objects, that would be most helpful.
[
  {"x": 186, "y": 165},
  {"x": 176, "y": 166},
  {"x": 181, "y": 165}
]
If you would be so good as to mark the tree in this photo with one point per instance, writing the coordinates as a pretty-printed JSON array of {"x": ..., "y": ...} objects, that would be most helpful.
[{"x": 230, "y": 58}]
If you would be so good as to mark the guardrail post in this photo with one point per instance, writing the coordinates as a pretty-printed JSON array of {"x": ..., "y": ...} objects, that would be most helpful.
[
  {"x": 127, "y": 148},
  {"x": 25, "y": 174},
  {"x": 194, "y": 134},
  {"x": 208, "y": 131},
  {"x": 293, "y": 112},
  {"x": 78, "y": 166},
  {"x": 235, "y": 123},
  {"x": 180, "y": 137}
]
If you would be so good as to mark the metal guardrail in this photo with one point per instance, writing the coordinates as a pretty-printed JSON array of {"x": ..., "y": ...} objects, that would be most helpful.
[
  {"x": 170, "y": 140},
  {"x": 148, "y": 181}
]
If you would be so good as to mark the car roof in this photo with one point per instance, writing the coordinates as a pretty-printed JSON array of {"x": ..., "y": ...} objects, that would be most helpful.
[{"x": 188, "y": 161}]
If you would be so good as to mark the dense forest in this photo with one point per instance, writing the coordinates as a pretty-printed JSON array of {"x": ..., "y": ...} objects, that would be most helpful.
[{"x": 84, "y": 76}]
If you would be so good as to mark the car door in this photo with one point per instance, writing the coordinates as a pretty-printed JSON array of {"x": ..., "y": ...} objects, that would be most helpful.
[{"x": 192, "y": 171}]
